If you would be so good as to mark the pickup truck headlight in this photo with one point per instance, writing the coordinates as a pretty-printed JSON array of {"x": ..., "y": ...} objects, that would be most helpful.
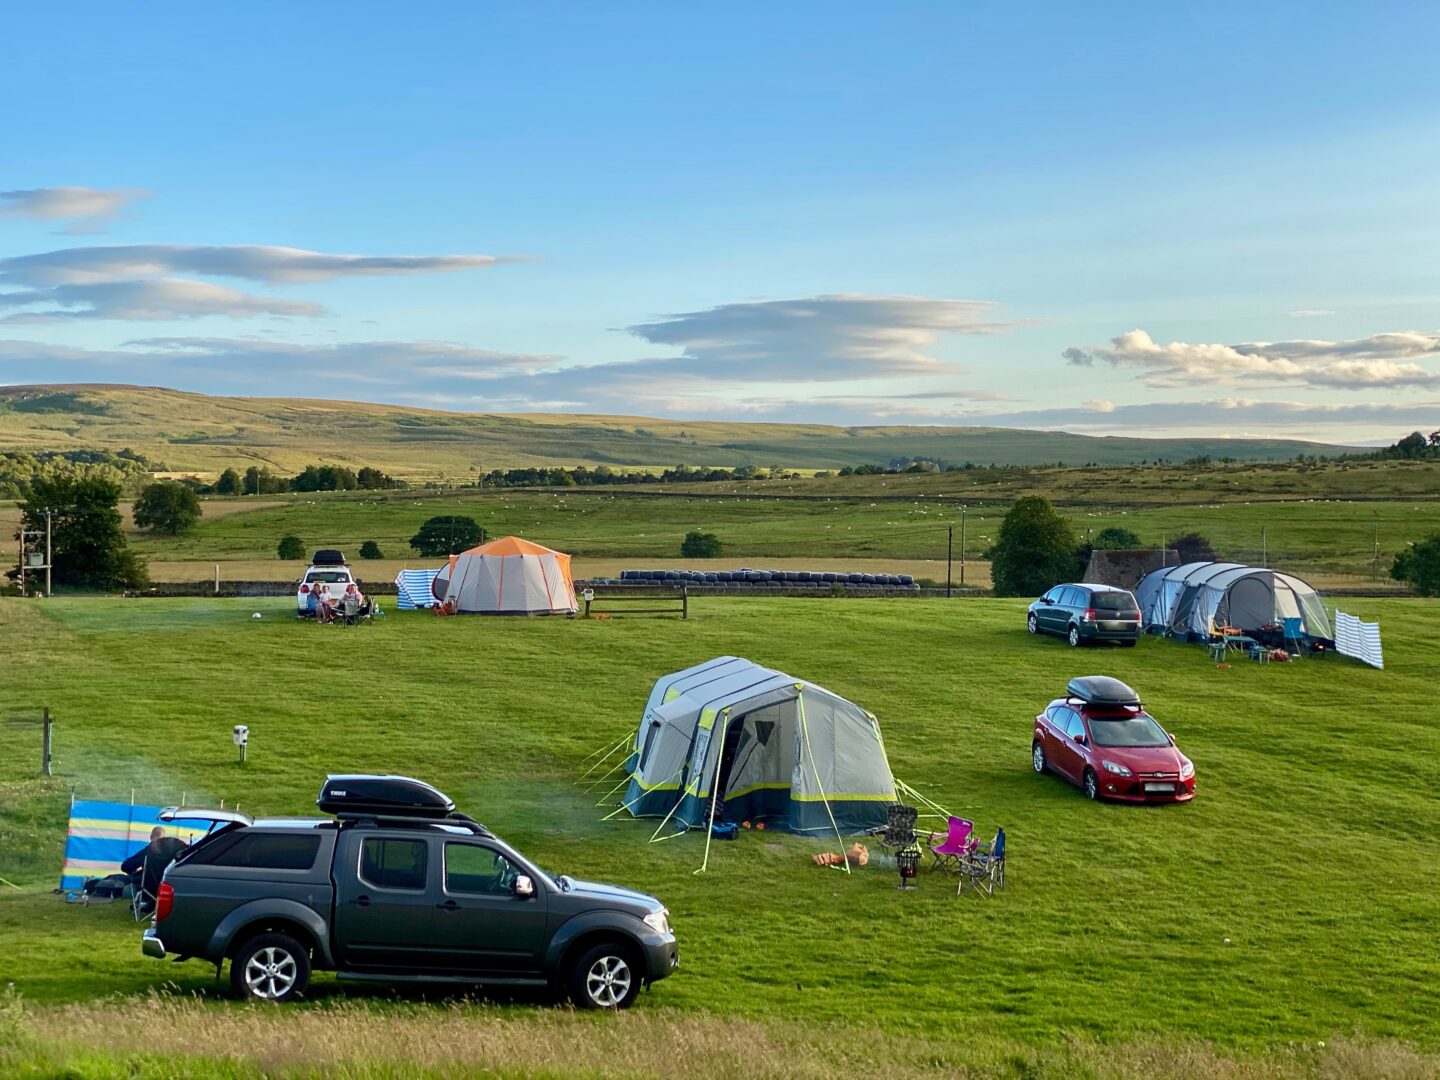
[
  {"x": 1187, "y": 769},
  {"x": 659, "y": 921},
  {"x": 1116, "y": 768}
]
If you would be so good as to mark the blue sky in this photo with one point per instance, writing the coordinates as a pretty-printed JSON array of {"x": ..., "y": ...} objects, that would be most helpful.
[{"x": 1130, "y": 218}]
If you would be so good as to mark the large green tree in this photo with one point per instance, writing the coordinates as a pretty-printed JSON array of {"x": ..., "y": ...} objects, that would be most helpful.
[
  {"x": 447, "y": 535},
  {"x": 1419, "y": 564},
  {"x": 167, "y": 507},
  {"x": 1115, "y": 538},
  {"x": 87, "y": 541},
  {"x": 1035, "y": 550},
  {"x": 228, "y": 484}
]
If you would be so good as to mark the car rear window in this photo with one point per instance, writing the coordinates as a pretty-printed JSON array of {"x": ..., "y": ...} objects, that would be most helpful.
[
  {"x": 327, "y": 576},
  {"x": 261, "y": 851},
  {"x": 1112, "y": 601}
]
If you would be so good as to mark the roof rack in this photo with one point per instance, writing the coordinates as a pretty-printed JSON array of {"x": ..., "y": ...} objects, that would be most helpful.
[
  {"x": 1101, "y": 690},
  {"x": 392, "y": 821}
]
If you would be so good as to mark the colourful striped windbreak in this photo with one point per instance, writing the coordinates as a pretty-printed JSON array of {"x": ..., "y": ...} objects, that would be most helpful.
[{"x": 104, "y": 834}]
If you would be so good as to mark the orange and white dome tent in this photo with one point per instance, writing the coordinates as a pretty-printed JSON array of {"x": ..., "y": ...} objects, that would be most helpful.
[{"x": 509, "y": 576}]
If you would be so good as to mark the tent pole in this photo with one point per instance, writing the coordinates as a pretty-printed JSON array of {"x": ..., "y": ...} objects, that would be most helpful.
[
  {"x": 714, "y": 788},
  {"x": 815, "y": 772}
]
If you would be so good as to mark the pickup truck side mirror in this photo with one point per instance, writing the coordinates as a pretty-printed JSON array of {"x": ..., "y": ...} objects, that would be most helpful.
[{"x": 523, "y": 887}]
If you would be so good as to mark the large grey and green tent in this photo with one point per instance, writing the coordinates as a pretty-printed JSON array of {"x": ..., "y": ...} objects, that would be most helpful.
[{"x": 771, "y": 747}]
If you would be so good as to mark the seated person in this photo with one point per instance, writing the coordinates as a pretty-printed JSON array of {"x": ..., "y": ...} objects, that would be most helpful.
[
  {"x": 324, "y": 604},
  {"x": 352, "y": 592},
  {"x": 146, "y": 866}
]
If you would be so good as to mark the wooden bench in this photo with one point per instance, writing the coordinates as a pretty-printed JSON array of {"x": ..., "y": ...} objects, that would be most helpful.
[{"x": 678, "y": 600}]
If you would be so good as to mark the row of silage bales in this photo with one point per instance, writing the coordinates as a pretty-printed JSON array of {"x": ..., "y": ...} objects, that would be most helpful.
[{"x": 746, "y": 577}]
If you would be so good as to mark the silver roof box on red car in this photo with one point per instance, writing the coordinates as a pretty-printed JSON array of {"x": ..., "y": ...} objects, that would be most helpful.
[
  {"x": 383, "y": 796},
  {"x": 1101, "y": 690}
]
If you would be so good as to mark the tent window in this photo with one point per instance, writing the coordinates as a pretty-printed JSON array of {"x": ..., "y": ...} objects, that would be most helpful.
[{"x": 649, "y": 744}]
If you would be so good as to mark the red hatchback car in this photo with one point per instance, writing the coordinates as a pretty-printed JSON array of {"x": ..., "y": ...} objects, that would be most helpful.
[{"x": 1100, "y": 737}]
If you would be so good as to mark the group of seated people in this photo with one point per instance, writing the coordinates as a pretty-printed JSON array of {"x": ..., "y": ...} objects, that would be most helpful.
[{"x": 329, "y": 607}]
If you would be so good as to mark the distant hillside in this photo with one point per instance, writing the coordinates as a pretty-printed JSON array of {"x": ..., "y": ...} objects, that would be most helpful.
[{"x": 195, "y": 432}]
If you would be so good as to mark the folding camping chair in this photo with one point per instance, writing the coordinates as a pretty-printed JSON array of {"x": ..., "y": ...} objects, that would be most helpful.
[
  {"x": 152, "y": 872},
  {"x": 350, "y": 610},
  {"x": 898, "y": 833},
  {"x": 983, "y": 870},
  {"x": 1294, "y": 632},
  {"x": 948, "y": 854}
]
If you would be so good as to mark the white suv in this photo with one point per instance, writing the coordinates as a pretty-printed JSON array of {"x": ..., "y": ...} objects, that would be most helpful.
[{"x": 326, "y": 568}]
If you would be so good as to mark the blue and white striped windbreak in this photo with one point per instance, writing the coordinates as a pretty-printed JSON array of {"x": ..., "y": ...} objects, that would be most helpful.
[
  {"x": 413, "y": 589},
  {"x": 104, "y": 834}
]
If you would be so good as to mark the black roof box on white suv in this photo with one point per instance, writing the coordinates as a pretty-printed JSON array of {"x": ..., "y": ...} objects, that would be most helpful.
[{"x": 328, "y": 557}]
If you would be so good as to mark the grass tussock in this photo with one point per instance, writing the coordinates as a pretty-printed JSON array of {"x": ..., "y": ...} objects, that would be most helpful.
[{"x": 180, "y": 1037}]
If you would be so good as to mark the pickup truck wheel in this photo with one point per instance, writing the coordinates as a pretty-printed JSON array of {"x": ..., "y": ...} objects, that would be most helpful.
[
  {"x": 270, "y": 967},
  {"x": 604, "y": 976}
]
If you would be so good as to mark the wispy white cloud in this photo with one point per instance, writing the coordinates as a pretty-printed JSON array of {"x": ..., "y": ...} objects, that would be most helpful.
[
  {"x": 1308, "y": 313},
  {"x": 1382, "y": 361},
  {"x": 252, "y": 262},
  {"x": 820, "y": 338},
  {"x": 87, "y": 209},
  {"x": 160, "y": 298}
]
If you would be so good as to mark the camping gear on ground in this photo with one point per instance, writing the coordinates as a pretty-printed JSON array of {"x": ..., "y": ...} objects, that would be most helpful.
[
  {"x": 727, "y": 830},
  {"x": 1186, "y": 601},
  {"x": 957, "y": 844},
  {"x": 983, "y": 870},
  {"x": 509, "y": 576},
  {"x": 855, "y": 855},
  {"x": 1357, "y": 639},
  {"x": 412, "y": 589},
  {"x": 102, "y": 835},
  {"x": 769, "y": 745},
  {"x": 907, "y": 861}
]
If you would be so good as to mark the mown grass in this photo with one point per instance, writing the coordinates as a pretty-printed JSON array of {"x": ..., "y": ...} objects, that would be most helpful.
[{"x": 1294, "y": 900}]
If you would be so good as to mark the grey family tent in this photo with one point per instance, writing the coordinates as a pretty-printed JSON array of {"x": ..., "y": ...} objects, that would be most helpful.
[
  {"x": 771, "y": 747},
  {"x": 509, "y": 576},
  {"x": 1190, "y": 600}
]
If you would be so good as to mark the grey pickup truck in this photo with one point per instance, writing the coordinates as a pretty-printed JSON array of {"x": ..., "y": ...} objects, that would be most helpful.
[{"x": 398, "y": 887}]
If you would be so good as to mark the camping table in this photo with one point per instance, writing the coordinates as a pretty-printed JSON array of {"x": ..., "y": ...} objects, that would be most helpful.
[{"x": 1240, "y": 642}]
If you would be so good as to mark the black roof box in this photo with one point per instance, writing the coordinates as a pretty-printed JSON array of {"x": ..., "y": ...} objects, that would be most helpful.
[
  {"x": 386, "y": 796},
  {"x": 1102, "y": 690},
  {"x": 328, "y": 557}
]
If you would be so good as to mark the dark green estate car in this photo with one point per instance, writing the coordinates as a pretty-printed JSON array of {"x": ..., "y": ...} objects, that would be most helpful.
[
  {"x": 397, "y": 887},
  {"x": 1082, "y": 613}
]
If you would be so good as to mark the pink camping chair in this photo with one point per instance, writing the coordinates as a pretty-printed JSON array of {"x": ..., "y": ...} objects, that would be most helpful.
[{"x": 956, "y": 846}]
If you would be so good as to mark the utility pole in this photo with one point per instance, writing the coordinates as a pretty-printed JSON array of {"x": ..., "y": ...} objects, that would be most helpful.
[
  {"x": 962, "y": 545},
  {"x": 949, "y": 554},
  {"x": 49, "y": 562},
  {"x": 45, "y": 726}
]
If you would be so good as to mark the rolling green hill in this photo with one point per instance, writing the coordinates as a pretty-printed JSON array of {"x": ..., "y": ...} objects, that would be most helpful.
[{"x": 197, "y": 433}]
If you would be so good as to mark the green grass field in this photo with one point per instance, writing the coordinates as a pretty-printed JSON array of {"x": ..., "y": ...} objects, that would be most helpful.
[
  {"x": 1329, "y": 539},
  {"x": 1294, "y": 901}
]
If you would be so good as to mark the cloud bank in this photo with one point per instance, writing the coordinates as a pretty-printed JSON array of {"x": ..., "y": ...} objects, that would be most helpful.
[
  {"x": 1383, "y": 361},
  {"x": 136, "y": 282}
]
